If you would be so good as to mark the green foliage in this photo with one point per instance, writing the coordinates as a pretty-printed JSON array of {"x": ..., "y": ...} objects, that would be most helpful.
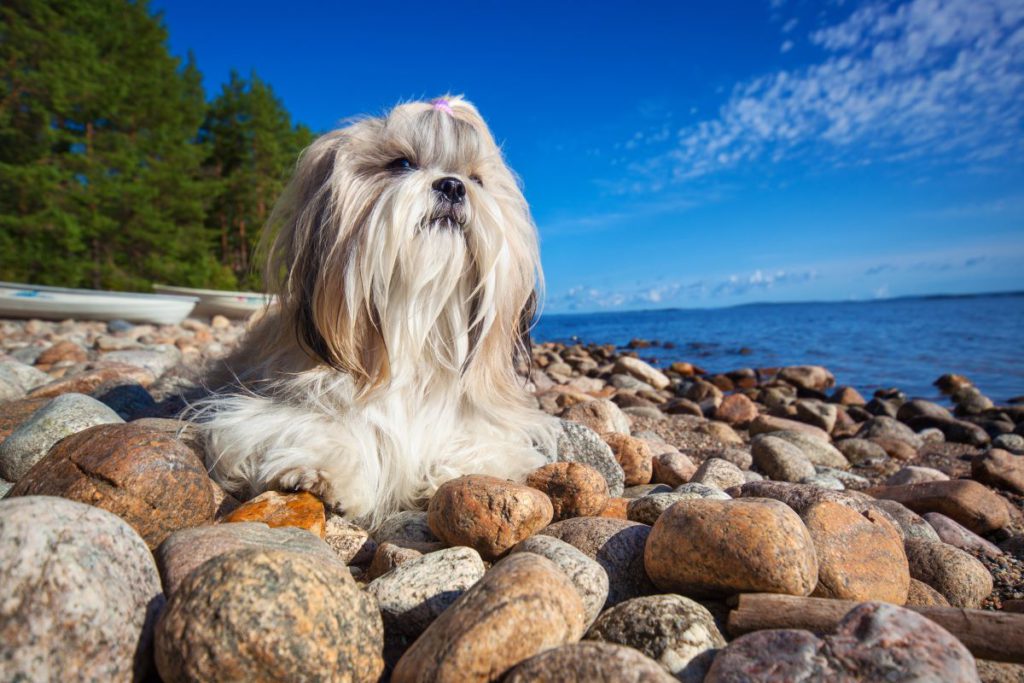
[{"x": 114, "y": 171}]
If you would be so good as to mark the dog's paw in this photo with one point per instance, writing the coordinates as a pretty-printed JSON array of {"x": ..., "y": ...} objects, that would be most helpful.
[{"x": 314, "y": 481}]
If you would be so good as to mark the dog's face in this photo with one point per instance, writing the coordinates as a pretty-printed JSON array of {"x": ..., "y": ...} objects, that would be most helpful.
[{"x": 406, "y": 237}]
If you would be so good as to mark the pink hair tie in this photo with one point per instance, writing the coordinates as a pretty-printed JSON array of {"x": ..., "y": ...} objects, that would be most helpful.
[{"x": 442, "y": 105}]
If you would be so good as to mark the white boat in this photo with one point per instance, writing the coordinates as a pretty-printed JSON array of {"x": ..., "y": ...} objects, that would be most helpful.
[
  {"x": 62, "y": 303},
  {"x": 220, "y": 302}
]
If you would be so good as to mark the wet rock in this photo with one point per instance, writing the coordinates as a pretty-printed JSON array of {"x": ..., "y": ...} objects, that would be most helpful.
[
  {"x": 966, "y": 501},
  {"x": 80, "y": 591},
  {"x": 641, "y": 371},
  {"x": 523, "y": 606},
  {"x": 487, "y": 514},
  {"x": 911, "y": 474},
  {"x": 718, "y": 473},
  {"x": 860, "y": 557},
  {"x": 589, "y": 662},
  {"x": 575, "y": 489},
  {"x": 408, "y": 529},
  {"x": 633, "y": 455},
  {"x": 737, "y": 410},
  {"x": 780, "y": 459},
  {"x": 861, "y": 451},
  {"x": 302, "y": 510},
  {"x": 265, "y": 615},
  {"x": 140, "y": 474},
  {"x": 714, "y": 548},
  {"x": 61, "y": 417},
  {"x": 887, "y": 428},
  {"x": 819, "y": 451},
  {"x": 600, "y": 415},
  {"x": 578, "y": 443},
  {"x": 995, "y": 467},
  {"x": 184, "y": 551},
  {"x": 615, "y": 544},
  {"x": 589, "y": 578},
  {"x": 672, "y": 468},
  {"x": 670, "y": 629},
  {"x": 416, "y": 592},
  {"x": 960, "y": 537},
  {"x": 961, "y": 579}
]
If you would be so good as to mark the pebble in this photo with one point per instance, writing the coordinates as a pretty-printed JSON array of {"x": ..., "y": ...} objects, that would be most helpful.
[
  {"x": 349, "y": 541},
  {"x": 798, "y": 496},
  {"x": 600, "y": 415},
  {"x": 588, "y": 577},
  {"x": 578, "y": 443},
  {"x": 61, "y": 417},
  {"x": 847, "y": 396},
  {"x": 521, "y": 607},
  {"x": 487, "y": 514},
  {"x": 718, "y": 473},
  {"x": 920, "y": 594},
  {"x": 20, "y": 377},
  {"x": 772, "y": 656},
  {"x": 960, "y": 537},
  {"x": 911, "y": 524},
  {"x": 185, "y": 550},
  {"x": 641, "y": 371},
  {"x": 408, "y": 529},
  {"x": 415, "y": 593},
  {"x": 780, "y": 459},
  {"x": 860, "y": 557},
  {"x": 616, "y": 508},
  {"x": 151, "y": 480},
  {"x": 615, "y": 544},
  {"x": 1009, "y": 442},
  {"x": 575, "y": 489},
  {"x": 817, "y": 413},
  {"x": 736, "y": 410},
  {"x": 157, "y": 359},
  {"x": 896, "y": 449},
  {"x": 80, "y": 593},
  {"x": 887, "y": 428},
  {"x": 960, "y": 578},
  {"x": 387, "y": 557},
  {"x": 740, "y": 457},
  {"x": 709, "y": 548},
  {"x": 302, "y": 510},
  {"x": 670, "y": 629},
  {"x": 589, "y": 662},
  {"x": 633, "y": 456},
  {"x": 647, "y": 509},
  {"x": 766, "y": 424},
  {"x": 62, "y": 352},
  {"x": 995, "y": 467},
  {"x": 672, "y": 468},
  {"x": 87, "y": 382},
  {"x": 957, "y": 431},
  {"x": 641, "y": 490},
  {"x": 810, "y": 377},
  {"x": 966, "y": 501},
  {"x": 861, "y": 451},
  {"x": 15, "y": 413},
  {"x": 912, "y": 474},
  {"x": 266, "y": 615},
  {"x": 819, "y": 451}
]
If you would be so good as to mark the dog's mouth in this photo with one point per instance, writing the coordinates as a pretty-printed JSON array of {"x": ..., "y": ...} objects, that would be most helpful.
[{"x": 446, "y": 217}]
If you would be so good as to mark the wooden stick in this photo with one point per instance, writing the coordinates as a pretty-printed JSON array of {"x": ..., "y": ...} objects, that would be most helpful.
[{"x": 998, "y": 636}]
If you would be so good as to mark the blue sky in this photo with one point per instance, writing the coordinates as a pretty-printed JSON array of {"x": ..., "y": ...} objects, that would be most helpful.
[{"x": 684, "y": 155}]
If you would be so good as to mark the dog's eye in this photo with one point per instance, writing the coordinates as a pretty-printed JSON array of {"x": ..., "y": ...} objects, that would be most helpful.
[
  {"x": 402, "y": 164},
  {"x": 476, "y": 179}
]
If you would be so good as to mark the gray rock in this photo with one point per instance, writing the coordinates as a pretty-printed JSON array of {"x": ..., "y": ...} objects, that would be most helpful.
[
  {"x": 408, "y": 529},
  {"x": 718, "y": 473},
  {"x": 961, "y": 579},
  {"x": 157, "y": 359},
  {"x": 589, "y": 662},
  {"x": 641, "y": 490},
  {"x": 912, "y": 474},
  {"x": 670, "y": 629},
  {"x": 772, "y": 656},
  {"x": 737, "y": 456},
  {"x": 601, "y": 415},
  {"x": 960, "y": 536},
  {"x": 825, "y": 481},
  {"x": 647, "y": 509},
  {"x": 910, "y": 524},
  {"x": 1010, "y": 442},
  {"x": 847, "y": 479},
  {"x": 80, "y": 593},
  {"x": 622, "y": 381},
  {"x": 415, "y": 593},
  {"x": 65, "y": 415},
  {"x": 818, "y": 451},
  {"x": 862, "y": 451},
  {"x": 957, "y": 431},
  {"x": 349, "y": 541},
  {"x": 883, "y": 427},
  {"x": 5, "y": 486},
  {"x": 780, "y": 459},
  {"x": 648, "y": 412},
  {"x": 799, "y": 497},
  {"x": 24, "y": 377},
  {"x": 578, "y": 443},
  {"x": 589, "y": 578},
  {"x": 821, "y": 415},
  {"x": 920, "y": 408},
  {"x": 695, "y": 490}
]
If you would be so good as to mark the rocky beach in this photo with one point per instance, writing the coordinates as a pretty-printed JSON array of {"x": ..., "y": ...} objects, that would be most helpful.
[{"x": 719, "y": 524}]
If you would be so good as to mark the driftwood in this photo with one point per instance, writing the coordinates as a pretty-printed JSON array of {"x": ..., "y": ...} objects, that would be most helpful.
[{"x": 998, "y": 636}]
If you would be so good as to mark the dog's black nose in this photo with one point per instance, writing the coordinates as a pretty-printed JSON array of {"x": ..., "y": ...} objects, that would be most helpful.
[{"x": 451, "y": 188}]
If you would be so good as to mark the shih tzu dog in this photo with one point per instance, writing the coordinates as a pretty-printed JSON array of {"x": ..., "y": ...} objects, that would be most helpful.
[{"x": 405, "y": 264}]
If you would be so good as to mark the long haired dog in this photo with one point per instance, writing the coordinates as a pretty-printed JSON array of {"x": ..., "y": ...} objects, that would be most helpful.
[{"x": 405, "y": 262}]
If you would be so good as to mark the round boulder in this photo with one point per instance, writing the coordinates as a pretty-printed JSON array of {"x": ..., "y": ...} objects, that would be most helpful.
[{"x": 575, "y": 489}]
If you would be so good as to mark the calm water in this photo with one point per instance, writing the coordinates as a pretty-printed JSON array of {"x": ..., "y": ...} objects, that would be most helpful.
[{"x": 905, "y": 343}]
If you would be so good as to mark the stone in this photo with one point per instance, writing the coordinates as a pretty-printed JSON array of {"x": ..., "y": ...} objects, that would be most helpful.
[
  {"x": 575, "y": 489},
  {"x": 896, "y": 449},
  {"x": 818, "y": 451},
  {"x": 61, "y": 417},
  {"x": 960, "y": 537},
  {"x": 647, "y": 509},
  {"x": 157, "y": 360},
  {"x": 966, "y": 501},
  {"x": 20, "y": 376},
  {"x": 920, "y": 594},
  {"x": 810, "y": 377},
  {"x": 415, "y": 593},
  {"x": 186, "y": 550},
  {"x": 80, "y": 594},
  {"x": 589, "y": 662},
  {"x": 600, "y": 415},
  {"x": 615, "y": 544},
  {"x": 772, "y": 656},
  {"x": 302, "y": 510},
  {"x": 957, "y": 431},
  {"x": 718, "y": 473},
  {"x": 589, "y": 578},
  {"x": 780, "y": 459},
  {"x": 641, "y": 490},
  {"x": 409, "y": 529},
  {"x": 860, "y": 557},
  {"x": 87, "y": 382},
  {"x": 861, "y": 451},
  {"x": 911, "y": 524},
  {"x": 995, "y": 467},
  {"x": 723, "y": 433},
  {"x": 616, "y": 508},
  {"x": 578, "y": 443},
  {"x": 799, "y": 497},
  {"x": 847, "y": 396},
  {"x": 15, "y": 413},
  {"x": 960, "y": 578},
  {"x": 140, "y": 474},
  {"x": 521, "y": 607},
  {"x": 912, "y": 474},
  {"x": 825, "y": 481},
  {"x": 387, "y": 557},
  {"x": 670, "y": 629},
  {"x": 349, "y": 541},
  {"x": 259, "y": 614},
  {"x": 633, "y": 455},
  {"x": 817, "y": 413},
  {"x": 737, "y": 456},
  {"x": 887, "y": 428},
  {"x": 766, "y": 424},
  {"x": 1009, "y": 442},
  {"x": 130, "y": 401},
  {"x": 487, "y": 514},
  {"x": 711, "y": 548},
  {"x": 737, "y": 410},
  {"x": 62, "y": 352},
  {"x": 641, "y": 371},
  {"x": 672, "y": 469},
  {"x": 693, "y": 490},
  {"x": 847, "y": 479}
]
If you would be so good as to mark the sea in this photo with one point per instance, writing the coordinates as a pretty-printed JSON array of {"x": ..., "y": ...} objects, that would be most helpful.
[{"x": 906, "y": 343}]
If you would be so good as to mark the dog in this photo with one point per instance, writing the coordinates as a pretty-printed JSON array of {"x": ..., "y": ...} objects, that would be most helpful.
[{"x": 406, "y": 267}]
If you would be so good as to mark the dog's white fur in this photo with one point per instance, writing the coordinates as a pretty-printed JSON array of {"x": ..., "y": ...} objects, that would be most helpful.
[{"x": 387, "y": 366}]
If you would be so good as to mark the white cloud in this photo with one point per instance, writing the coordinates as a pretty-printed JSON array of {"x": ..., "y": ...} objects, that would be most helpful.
[
  {"x": 940, "y": 79},
  {"x": 790, "y": 25},
  {"x": 786, "y": 46}
]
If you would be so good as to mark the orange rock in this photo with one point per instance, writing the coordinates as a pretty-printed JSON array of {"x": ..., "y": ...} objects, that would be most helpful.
[
  {"x": 616, "y": 508},
  {"x": 575, "y": 489},
  {"x": 736, "y": 409},
  {"x": 301, "y": 509},
  {"x": 86, "y": 382},
  {"x": 13, "y": 413},
  {"x": 60, "y": 352},
  {"x": 633, "y": 454}
]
